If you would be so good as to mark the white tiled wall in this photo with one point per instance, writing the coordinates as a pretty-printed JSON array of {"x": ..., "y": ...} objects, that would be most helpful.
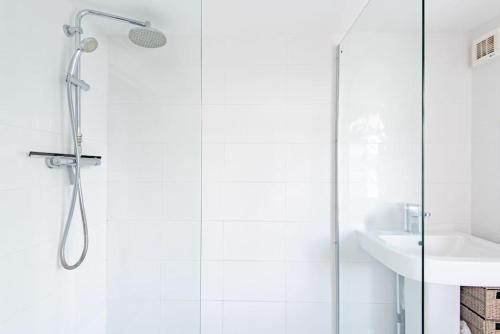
[
  {"x": 267, "y": 131},
  {"x": 486, "y": 144},
  {"x": 37, "y": 295},
  {"x": 266, "y": 180},
  {"x": 154, "y": 209},
  {"x": 448, "y": 129},
  {"x": 266, "y": 151}
]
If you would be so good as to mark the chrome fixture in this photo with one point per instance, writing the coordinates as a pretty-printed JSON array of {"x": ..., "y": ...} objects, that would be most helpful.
[
  {"x": 412, "y": 221},
  {"x": 144, "y": 36},
  {"x": 87, "y": 45},
  {"x": 147, "y": 37},
  {"x": 400, "y": 305},
  {"x": 59, "y": 160}
]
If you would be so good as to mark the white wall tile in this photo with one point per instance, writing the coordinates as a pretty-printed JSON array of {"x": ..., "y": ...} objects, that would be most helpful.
[
  {"x": 137, "y": 280},
  {"x": 127, "y": 316},
  {"x": 308, "y": 201},
  {"x": 125, "y": 166},
  {"x": 309, "y": 84},
  {"x": 134, "y": 240},
  {"x": 19, "y": 289},
  {"x": 181, "y": 317},
  {"x": 254, "y": 162},
  {"x": 309, "y": 162},
  {"x": 211, "y": 317},
  {"x": 254, "y": 124},
  {"x": 308, "y": 241},
  {"x": 165, "y": 123},
  {"x": 214, "y": 123},
  {"x": 214, "y": 83},
  {"x": 310, "y": 49},
  {"x": 256, "y": 281},
  {"x": 180, "y": 241},
  {"x": 485, "y": 147},
  {"x": 303, "y": 318},
  {"x": 448, "y": 163},
  {"x": 212, "y": 199},
  {"x": 213, "y": 161},
  {"x": 180, "y": 280},
  {"x": 139, "y": 200},
  {"x": 182, "y": 200},
  {"x": 33, "y": 211},
  {"x": 212, "y": 280},
  {"x": 249, "y": 318},
  {"x": 253, "y": 201},
  {"x": 255, "y": 84},
  {"x": 212, "y": 240},
  {"x": 308, "y": 123},
  {"x": 449, "y": 202},
  {"x": 308, "y": 281},
  {"x": 254, "y": 241},
  {"x": 182, "y": 161},
  {"x": 266, "y": 49}
]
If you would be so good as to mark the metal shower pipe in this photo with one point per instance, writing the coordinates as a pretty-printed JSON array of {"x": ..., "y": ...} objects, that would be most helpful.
[{"x": 77, "y": 31}]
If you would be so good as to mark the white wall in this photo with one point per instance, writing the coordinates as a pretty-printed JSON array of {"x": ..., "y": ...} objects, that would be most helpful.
[
  {"x": 486, "y": 144},
  {"x": 266, "y": 147},
  {"x": 154, "y": 211},
  {"x": 267, "y": 130},
  {"x": 448, "y": 115},
  {"x": 267, "y": 117},
  {"x": 37, "y": 295},
  {"x": 266, "y": 156}
]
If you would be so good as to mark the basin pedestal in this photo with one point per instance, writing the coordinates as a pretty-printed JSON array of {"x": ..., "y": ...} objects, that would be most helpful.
[{"x": 442, "y": 308}]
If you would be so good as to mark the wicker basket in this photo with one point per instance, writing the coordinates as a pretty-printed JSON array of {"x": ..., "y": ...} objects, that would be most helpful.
[
  {"x": 483, "y": 301},
  {"x": 477, "y": 324}
]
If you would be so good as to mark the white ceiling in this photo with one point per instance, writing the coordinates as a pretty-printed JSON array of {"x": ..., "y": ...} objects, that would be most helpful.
[
  {"x": 287, "y": 16},
  {"x": 237, "y": 16},
  {"x": 459, "y": 15},
  {"x": 280, "y": 16}
]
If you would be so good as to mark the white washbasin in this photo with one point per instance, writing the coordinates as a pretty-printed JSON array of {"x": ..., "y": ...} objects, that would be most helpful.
[{"x": 451, "y": 258}]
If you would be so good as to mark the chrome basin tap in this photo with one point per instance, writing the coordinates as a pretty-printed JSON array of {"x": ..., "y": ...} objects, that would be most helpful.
[{"x": 412, "y": 222}]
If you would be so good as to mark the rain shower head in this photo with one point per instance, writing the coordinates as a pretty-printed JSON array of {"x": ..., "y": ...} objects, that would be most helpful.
[
  {"x": 147, "y": 37},
  {"x": 88, "y": 44}
]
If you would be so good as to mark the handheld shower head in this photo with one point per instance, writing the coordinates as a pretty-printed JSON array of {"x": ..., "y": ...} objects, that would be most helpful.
[
  {"x": 147, "y": 37},
  {"x": 88, "y": 44}
]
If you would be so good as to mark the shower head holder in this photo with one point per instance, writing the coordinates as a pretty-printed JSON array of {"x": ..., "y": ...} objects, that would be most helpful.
[{"x": 70, "y": 31}]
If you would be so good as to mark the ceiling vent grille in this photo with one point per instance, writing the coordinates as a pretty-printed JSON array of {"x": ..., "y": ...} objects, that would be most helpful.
[{"x": 485, "y": 48}]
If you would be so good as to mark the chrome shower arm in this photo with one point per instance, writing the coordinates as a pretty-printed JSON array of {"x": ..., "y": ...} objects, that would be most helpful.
[
  {"x": 81, "y": 14},
  {"x": 77, "y": 29}
]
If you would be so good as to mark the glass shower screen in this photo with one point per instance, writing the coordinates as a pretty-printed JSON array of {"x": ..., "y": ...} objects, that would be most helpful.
[{"x": 379, "y": 160}]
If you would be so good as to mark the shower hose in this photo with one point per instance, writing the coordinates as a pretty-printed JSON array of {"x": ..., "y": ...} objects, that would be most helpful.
[{"x": 77, "y": 192}]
